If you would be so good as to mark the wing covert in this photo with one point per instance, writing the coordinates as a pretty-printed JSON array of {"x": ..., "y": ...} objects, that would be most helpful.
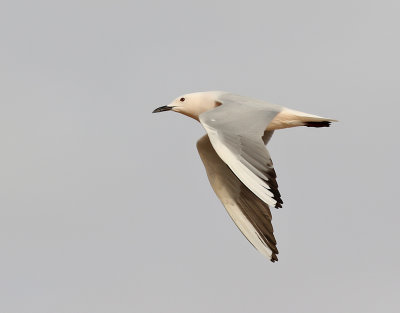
[{"x": 236, "y": 130}]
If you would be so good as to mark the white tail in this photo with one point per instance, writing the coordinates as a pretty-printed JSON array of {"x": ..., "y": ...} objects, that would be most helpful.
[{"x": 291, "y": 118}]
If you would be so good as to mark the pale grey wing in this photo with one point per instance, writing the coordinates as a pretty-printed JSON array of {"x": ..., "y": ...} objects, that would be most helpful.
[
  {"x": 251, "y": 215},
  {"x": 236, "y": 129}
]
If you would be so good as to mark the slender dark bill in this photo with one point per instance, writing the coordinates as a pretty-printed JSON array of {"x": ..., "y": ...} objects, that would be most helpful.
[{"x": 162, "y": 109}]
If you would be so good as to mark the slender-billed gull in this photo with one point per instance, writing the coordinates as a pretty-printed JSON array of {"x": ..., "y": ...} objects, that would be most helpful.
[{"x": 237, "y": 163}]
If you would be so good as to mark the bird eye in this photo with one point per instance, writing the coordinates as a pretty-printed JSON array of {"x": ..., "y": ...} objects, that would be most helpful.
[{"x": 182, "y": 99}]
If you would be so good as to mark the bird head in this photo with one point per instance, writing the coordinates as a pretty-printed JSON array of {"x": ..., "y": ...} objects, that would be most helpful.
[{"x": 193, "y": 104}]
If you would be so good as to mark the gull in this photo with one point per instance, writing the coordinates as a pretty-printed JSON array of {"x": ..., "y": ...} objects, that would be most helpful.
[{"x": 237, "y": 162}]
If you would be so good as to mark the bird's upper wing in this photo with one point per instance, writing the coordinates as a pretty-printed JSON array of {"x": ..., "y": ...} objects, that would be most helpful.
[
  {"x": 250, "y": 214},
  {"x": 236, "y": 130}
]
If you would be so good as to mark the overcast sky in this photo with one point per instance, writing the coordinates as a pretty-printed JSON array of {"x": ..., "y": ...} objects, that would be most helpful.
[{"x": 105, "y": 207}]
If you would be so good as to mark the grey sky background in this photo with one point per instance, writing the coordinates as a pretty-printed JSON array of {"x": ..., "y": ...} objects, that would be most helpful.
[{"x": 105, "y": 207}]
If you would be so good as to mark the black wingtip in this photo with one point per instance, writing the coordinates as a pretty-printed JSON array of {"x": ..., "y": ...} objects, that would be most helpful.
[{"x": 277, "y": 197}]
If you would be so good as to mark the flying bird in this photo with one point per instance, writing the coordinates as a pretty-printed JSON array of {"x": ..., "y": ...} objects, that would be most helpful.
[{"x": 237, "y": 162}]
